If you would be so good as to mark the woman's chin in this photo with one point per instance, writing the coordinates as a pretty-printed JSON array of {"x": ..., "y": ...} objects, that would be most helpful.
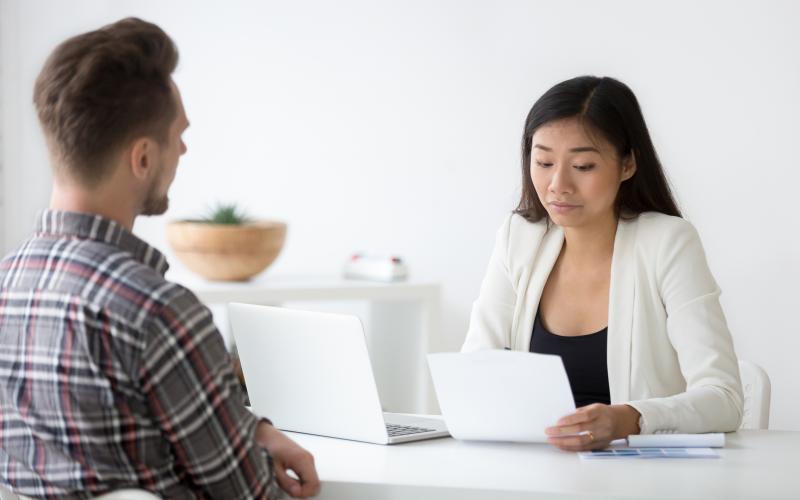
[{"x": 564, "y": 220}]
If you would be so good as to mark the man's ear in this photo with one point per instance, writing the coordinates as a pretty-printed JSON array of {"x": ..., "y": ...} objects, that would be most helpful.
[
  {"x": 628, "y": 166},
  {"x": 143, "y": 153}
]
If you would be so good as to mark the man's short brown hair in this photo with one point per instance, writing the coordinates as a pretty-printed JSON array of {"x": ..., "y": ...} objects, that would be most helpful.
[{"x": 100, "y": 89}]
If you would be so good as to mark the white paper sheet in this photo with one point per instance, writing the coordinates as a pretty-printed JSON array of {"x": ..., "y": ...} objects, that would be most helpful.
[
  {"x": 710, "y": 440},
  {"x": 501, "y": 395}
]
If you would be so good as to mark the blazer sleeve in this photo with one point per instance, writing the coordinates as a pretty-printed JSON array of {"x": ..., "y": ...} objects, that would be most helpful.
[
  {"x": 492, "y": 312},
  {"x": 696, "y": 327}
]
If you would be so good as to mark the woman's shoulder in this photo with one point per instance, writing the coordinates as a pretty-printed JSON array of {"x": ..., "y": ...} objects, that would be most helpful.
[
  {"x": 664, "y": 235},
  {"x": 520, "y": 224},
  {"x": 655, "y": 225},
  {"x": 518, "y": 237},
  {"x": 518, "y": 229}
]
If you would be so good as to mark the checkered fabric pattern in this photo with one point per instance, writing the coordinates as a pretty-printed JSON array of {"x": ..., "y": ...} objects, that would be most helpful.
[{"x": 112, "y": 377}]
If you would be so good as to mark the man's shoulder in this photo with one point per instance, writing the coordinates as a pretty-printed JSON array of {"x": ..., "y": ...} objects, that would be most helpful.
[
  {"x": 141, "y": 296},
  {"x": 103, "y": 276},
  {"x": 148, "y": 289}
]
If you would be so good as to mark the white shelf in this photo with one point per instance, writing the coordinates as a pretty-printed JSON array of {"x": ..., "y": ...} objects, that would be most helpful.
[
  {"x": 403, "y": 317},
  {"x": 268, "y": 289}
]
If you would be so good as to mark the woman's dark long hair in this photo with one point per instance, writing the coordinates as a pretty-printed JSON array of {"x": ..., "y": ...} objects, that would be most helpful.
[{"x": 608, "y": 107}]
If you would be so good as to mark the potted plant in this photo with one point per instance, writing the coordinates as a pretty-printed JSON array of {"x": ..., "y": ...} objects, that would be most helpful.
[{"x": 226, "y": 244}]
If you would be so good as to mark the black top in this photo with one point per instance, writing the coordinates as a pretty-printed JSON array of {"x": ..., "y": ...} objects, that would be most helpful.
[{"x": 584, "y": 359}]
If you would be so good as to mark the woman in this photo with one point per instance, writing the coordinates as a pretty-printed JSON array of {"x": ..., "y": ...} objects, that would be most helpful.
[{"x": 597, "y": 265}]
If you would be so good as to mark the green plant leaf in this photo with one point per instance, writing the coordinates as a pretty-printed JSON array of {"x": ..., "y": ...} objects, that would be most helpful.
[{"x": 226, "y": 213}]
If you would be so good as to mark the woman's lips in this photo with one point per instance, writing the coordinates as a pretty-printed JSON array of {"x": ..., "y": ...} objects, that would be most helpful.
[{"x": 563, "y": 208}]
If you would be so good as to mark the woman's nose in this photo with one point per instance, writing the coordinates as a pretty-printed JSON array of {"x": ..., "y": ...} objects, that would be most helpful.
[{"x": 561, "y": 180}]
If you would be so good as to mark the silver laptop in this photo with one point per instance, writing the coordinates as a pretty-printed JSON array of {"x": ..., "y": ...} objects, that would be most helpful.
[{"x": 310, "y": 372}]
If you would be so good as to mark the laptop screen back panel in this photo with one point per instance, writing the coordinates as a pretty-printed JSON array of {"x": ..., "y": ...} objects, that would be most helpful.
[{"x": 308, "y": 372}]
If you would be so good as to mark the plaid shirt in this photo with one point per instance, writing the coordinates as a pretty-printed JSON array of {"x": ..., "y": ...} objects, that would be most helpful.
[{"x": 113, "y": 377}]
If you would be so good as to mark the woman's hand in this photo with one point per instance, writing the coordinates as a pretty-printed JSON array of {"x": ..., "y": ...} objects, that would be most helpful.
[{"x": 593, "y": 427}]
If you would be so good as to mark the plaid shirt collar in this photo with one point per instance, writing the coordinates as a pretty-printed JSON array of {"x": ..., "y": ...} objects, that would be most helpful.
[{"x": 98, "y": 228}]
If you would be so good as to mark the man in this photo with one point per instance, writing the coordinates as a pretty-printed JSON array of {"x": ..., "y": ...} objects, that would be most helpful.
[{"x": 110, "y": 376}]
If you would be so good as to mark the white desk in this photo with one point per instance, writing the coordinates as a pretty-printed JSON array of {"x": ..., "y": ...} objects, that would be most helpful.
[
  {"x": 754, "y": 465},
  {"x": 401, "y": 319}
]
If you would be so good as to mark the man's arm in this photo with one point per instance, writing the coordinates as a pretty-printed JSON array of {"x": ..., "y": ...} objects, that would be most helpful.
[
  {"x": 196, "y": 400},
  {"x": 287, "y": 455}
]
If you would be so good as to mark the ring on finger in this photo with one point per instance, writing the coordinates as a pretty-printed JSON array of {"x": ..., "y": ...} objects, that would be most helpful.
[{"x": 591, "y": 436}]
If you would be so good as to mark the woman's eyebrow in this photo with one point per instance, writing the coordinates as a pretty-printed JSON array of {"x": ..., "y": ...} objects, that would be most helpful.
[{"x": 580, "y": 149}]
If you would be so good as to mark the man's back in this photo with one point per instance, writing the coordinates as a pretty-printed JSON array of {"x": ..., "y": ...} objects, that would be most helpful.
[{"x": 110, "y": 376}]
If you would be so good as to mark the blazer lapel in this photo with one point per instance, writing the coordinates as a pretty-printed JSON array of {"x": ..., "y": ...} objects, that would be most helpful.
[
  {"x": 620, "y": 311},
  {"x": 542, "y": 263}
]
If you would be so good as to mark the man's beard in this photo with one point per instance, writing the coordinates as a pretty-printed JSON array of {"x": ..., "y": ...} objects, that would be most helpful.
[{"x": 154, "y": 203}]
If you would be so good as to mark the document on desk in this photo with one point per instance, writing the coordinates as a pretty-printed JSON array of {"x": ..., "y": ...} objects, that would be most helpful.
[
  {"x": 708, "y": 440},
  {"x": 619, "y": 453},
  {"x": 500, "y": 395}
]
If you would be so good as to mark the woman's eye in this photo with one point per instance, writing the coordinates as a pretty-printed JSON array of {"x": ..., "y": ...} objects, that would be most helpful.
[
  {"x": 543, "y": 164},
  {"x": 584, "y": 168}
]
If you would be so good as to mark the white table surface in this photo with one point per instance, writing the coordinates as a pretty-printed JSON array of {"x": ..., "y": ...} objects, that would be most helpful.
[{"x": 753, "y": 465}]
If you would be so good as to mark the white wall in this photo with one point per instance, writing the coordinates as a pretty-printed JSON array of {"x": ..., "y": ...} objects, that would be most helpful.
[
  {"x": 2, "y": 128},
  {"x": 5, "y": 113},
  {"x": 395, "y": 126}
]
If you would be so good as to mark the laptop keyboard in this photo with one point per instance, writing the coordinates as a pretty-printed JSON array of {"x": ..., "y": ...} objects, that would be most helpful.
[{"x": 404, "y": 430}]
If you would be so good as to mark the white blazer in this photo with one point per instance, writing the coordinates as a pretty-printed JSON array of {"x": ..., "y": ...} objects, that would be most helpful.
[{"x": 670, "y": 354}]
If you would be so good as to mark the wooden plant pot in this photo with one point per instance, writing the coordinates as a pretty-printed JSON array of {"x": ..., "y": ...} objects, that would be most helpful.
[{"x": 226, "y": 252}]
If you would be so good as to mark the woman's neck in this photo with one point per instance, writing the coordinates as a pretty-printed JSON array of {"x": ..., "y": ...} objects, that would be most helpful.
[{"x": 591, "y": 243}]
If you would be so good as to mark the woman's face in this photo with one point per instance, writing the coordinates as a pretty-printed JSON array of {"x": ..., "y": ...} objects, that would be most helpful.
[{"x": 576, "y": 176}]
